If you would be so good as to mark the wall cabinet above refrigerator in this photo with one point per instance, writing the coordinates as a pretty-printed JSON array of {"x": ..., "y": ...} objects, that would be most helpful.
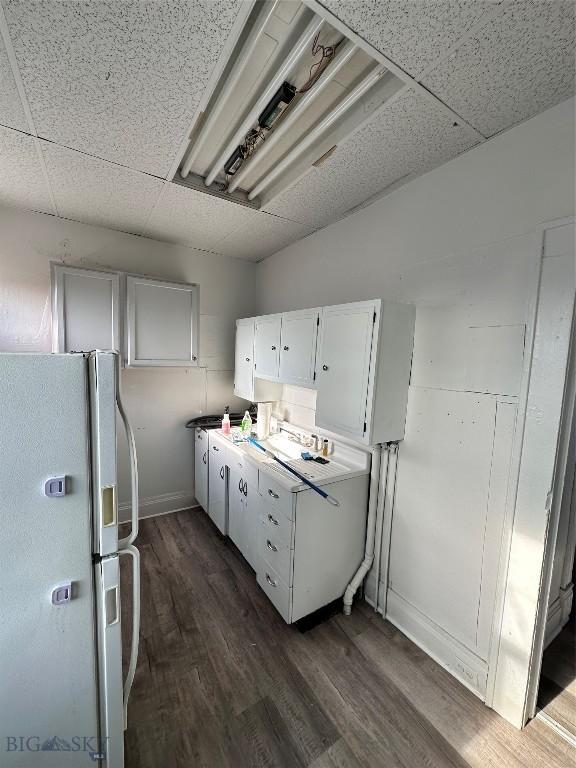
[{"x": 154, "y": 322}]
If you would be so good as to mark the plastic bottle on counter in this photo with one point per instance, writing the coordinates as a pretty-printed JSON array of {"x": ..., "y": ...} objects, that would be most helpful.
[
  {"x": 246, "y": 425},
  {"x": 226, "y": 421}
]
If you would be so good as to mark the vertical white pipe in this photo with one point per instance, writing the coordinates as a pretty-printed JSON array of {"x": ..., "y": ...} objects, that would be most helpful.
[
  {"x": 370, "y": 531},
  {"x": 385, "y": 532}
]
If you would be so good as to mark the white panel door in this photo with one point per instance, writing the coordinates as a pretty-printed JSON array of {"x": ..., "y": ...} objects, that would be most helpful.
[
  {"x": 48, "y": 653},
  {"x": 267, "y": 346},
  {"x": 201, "y": 467},
  {"x": 236, "y": 506},
  {"x": 244, "y": 360},
  {"x": 217, "y": 482},
  {"x": 344, "y": 368},
  {"x": 162, "y": 323},
  {"x": 298, "y": 347},
  {"x": 85, "y": 306},
  {"x": 251, "y": 514}
]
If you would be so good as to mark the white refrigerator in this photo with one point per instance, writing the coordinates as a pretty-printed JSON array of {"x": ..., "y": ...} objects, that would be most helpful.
[{"x": 63, "y": 698}]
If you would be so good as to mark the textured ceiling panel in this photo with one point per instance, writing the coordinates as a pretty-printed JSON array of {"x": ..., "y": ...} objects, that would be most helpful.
[
  {"x": 413, "y": 33},
  {"x": 196, "y": 219},
  {"x": 519, "y": 64},
  {"x": 97, "y": 192},
  {"x": 22, "y": 183},
  {"x": 120, "y": 80},
  {"x": 410, "y": 135},
  {"x": 11, "y": 112},
  {"x": 261, "y": 237}
]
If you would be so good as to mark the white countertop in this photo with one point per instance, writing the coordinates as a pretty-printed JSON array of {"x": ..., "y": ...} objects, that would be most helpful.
[{"x": 344, "y": 462}]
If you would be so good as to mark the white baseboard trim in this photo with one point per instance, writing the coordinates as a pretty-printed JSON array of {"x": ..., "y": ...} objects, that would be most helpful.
[
  {"x": 558, "y": 613},
  {"x": 162, "y": 504},
  {"x": 468, "y": 668}
]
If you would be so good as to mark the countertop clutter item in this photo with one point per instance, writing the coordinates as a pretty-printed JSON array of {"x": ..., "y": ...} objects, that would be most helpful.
[
  {"x": 226, "y": 421},
  {"x": 263, "y": 420}
]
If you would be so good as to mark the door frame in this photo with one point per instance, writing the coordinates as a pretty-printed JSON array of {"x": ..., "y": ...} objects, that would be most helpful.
[{"x": 527, "y": 553}]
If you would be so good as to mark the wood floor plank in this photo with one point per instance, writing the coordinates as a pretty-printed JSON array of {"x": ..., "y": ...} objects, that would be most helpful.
[{"x": 223, "y": 682}]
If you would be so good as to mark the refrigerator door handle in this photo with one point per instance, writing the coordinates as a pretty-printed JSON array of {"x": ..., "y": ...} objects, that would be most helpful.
[
  {"x": 128, "y": 540},
  {"x": 133, "y": 552}
]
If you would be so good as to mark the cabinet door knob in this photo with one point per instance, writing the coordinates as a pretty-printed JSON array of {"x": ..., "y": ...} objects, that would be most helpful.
[
  {"x": 222, "y": 472},
  {"x": 247, "y": 359},
  {"x": 240, "y": 485},
  {"x": 273, "y": 348},
  {"x": 204, "y": 457},
  {"x": 271, "y": 493},
  {"x": 245, "y": 489},
  {"x": 194, "y": 358},
  {"x": 286, "y": 349},
  {"x": 215, "y": 448},
  {"x": 324, "y": 367}
]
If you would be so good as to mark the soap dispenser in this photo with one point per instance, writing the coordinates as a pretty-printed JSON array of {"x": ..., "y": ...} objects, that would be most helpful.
[{"x": 226, "y": 421}]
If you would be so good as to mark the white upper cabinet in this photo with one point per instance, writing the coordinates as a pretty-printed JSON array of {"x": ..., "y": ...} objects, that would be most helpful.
[
  {"x": 85, "y": 309},
  {"x": 298, "y": 347},
  {"x": 244, "y": 360},
  {"x": 363, "y": 371},
  {"x": 267, "y": 346},
  {"x": 344, "y": 368},
  {"x": 161, "y": 323}
]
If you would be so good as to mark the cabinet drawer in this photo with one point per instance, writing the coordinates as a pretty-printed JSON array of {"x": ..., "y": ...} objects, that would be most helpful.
[
  {"x": 276, "y": 499},
  {"x": 276, "y": 554},
  {"x": 279, "y": 526},
  {"x": 278, "y": 593}
]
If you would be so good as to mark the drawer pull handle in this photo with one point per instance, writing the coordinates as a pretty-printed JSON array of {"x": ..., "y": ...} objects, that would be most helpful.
[
  {"x": 273, "y": 348},
  {"x": 273, "y": 520},
  {"x": 271, "y": 493},
  {"x": 271, "y": 581},
  {"x": 215, "y": 448},
  {"x": 286, "y": 349},
  {"x": 271, "y": 547}
]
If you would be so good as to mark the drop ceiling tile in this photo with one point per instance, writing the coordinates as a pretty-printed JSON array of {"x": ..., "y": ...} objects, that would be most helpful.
[
  {"x": 120, "y": 80},
  {"x": 519, "y": 64},
  {"x": 413, "y": 33},
  {"x": 261, "y": 237},
  {"x": 11, "y": 112},
  {"x": 22, "y": 183},
  {"x": 196, "y": 219},
  {"x": 406, "y": 137},
  {"x": 97, "y": 192}
]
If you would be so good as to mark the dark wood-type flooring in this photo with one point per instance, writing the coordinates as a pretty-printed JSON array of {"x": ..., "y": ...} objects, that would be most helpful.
[
  {"x": 557, "y": 693},
  {"x": 223, "y": 682}
]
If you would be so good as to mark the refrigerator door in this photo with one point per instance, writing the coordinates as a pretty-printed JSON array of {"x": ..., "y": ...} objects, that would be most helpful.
[
  {"x": 102, "y": 367},
  {"x": 107, "y": 577},
  {"x": 48, "y": 677}
]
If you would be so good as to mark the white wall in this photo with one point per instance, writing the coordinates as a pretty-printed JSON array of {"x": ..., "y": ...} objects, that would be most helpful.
[
  {"x": 158, "y": 401},
  {"x": 459, "y": 243}
]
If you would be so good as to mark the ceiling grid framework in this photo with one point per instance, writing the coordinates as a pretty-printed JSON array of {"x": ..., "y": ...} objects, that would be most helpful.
[{"x": 96, "y": 99}]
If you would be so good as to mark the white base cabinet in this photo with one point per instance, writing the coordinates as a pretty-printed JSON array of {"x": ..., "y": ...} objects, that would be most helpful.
[
  {"x": 243, "y": 505},
  {"x": 201, "y": 467},
  {"x": 217, "y": 481},
  {"x": 309, "y": 549}
]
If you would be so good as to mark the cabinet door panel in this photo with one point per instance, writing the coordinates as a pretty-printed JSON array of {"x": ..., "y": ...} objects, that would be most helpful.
[
  {"x": 244, "y": 360},
  {"x": 162, "y": 322},
  {"x": 344, "y": 369},
  {"x": 236, "y": 516},
  {"x": 267, "y": 346},
  {"x": 217, "y": 484},
  {"x": 298, "y": 347},
  {"x": 201, "y": 467},
  {"x": 252, "y": 515},
  {"x": 86, "y": 309}
]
